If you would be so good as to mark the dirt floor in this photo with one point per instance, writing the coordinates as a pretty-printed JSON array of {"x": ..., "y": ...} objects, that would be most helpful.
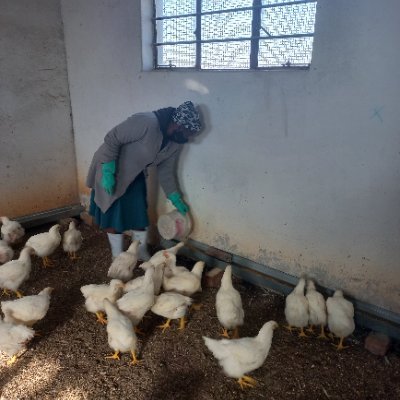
[{"x": 67, "y": 360}]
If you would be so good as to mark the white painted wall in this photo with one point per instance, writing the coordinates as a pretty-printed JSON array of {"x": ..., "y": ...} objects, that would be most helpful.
[
  {"x": 37, "y": 160},
  {"x": 295, "y": 169}
]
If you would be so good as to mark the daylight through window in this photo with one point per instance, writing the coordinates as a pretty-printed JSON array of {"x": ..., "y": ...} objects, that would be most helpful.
[{"x": 233, "y": 34}]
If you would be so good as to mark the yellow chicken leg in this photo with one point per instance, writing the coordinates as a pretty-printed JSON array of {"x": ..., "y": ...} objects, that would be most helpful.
[
  {"x": 340, "y": 345},
  {"x": 6, "y": 293},
  {"x": 19, "y": 294},
  {"x": 100, "y": 318},
  {"x": 73, "y": 256},
  {"x": 302, "y": 333},
  {"x": 289, "y": 328},
  {"x": 138, "y": 330},
  {"x": 115, "y": 356},
  {"x": 165, "y": 326},
  {"x": 182, "y": 323},
  {"x": 310, "y": 328},
  {"x": 47, "y": 262},
  {"x": 225, "y": 333},
  {"x": 135, "y": 361},
  {"x": 246, "y": 381},
  {"x": 322, "y": 335}
]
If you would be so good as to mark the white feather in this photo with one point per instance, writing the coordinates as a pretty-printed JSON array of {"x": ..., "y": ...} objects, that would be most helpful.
[
  {"x": 137, "y": 302},
  {"x": 11, "y": 231},
  {"x": 228, "y": 303},
  {"x": 16, "y": 272},
  {"x": 72, "y": 239},
  {"x": 340, "y": 315},
  {"x": 296, "y": 306},
  {"x": 95, "y": 294},
  {"x": 28, "y": 309},
  {"x": 123, "y": 265},
  {"x": 121, "y": 336},
  {"x": 238, "y": 357}
]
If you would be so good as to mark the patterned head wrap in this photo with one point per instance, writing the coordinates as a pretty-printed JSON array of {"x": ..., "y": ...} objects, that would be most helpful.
[{"x": 187, "y": 116}]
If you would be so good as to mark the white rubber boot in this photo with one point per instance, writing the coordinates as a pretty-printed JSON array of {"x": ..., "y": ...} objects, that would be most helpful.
[
  {"x": 143, "y": 254},
  {"x": 116, "y": 242}
]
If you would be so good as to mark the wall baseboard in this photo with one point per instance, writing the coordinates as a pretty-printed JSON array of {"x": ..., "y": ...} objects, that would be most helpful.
[{"x": 44, "y": 217}]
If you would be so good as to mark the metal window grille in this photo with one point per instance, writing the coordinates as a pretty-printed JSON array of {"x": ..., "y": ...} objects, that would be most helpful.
[{"x": 233, "y": 34}]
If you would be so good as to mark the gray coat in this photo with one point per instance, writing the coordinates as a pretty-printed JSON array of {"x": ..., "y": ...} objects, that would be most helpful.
[{"x": 134, "y": 144}]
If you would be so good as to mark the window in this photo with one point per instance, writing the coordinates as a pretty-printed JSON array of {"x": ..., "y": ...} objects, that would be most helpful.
[{"x": 233, "y": 34}]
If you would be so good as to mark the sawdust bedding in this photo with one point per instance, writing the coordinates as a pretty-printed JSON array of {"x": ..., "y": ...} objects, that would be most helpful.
[{"x": 67, "y": 360}]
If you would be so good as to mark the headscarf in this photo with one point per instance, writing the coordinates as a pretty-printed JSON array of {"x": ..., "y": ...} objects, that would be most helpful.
[{"x": 187, "y": 116}]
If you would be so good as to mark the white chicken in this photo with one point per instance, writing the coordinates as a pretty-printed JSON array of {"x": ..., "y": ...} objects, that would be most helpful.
[
  {"x": 170, "y": 265},
  {"x": 13, "y": 339},
  {"x": 316, "y": 309},
  {"x": 6, "y": 252},
  {"x": 296, "y": 308},
  {"x": 171, "y": 305},
  {"x": 11, "y": 231},
  {"x": 238, "y": 357},
  {"x": 340, "y": 317},
  {"x": 185, "y": 282},
  {"x": 229, "y": 306},
  {"x": 15, "y": 272},
  {"x": 44, "y": 244},
  {"x": 95, "y": 294},
  {"x": 160, "y": 256},
  {"x": 72, "y": 240},
  {"x": 123, "y": 265},
  {"x": 157, "y": 278},
  {"x": 137, "y": 302},
  {"x": 28, "y": 310},
  {"x": 121, "y": 336}
]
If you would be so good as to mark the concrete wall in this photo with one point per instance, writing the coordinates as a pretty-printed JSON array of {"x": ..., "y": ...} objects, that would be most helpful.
[
  {"x": 37, "y": 160},
  {"x": 297, "y": 170}
]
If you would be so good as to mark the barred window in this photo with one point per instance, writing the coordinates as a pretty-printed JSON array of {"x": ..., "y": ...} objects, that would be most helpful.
[{"x": 233, "y": 34}]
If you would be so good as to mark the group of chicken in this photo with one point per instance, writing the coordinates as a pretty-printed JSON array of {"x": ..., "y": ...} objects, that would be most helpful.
[
  {"x": 125, "y": 301},
  {"x": 166, "y": 290},
  {"x": 21, "y": 314},
  {"x": 302, "y": 310}
]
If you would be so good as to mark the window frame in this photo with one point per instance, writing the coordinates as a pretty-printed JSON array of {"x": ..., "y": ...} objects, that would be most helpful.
[{"x": 254, "y": 39}]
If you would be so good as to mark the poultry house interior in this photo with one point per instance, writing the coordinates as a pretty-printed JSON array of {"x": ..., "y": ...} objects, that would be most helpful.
[{"x": 68, "y": 357}]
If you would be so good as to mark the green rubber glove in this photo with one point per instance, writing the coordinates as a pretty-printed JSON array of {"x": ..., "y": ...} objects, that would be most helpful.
[
  {"x": 108, "y": 178},
  {"x": 178, "y": 203}
]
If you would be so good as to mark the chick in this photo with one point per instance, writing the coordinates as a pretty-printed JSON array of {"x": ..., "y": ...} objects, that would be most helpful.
[
  {"x": 121, "y": 336},
  {"x": 44, "y": 244},
  {"x": 185, "y": 282},
  {"x": 72, "y": 240},
  {"x": 13, "y": 339},
  {"x": 137, "y": 302},
  {"x": 11, "y": 231},
  {"x": 15, "y": 272},
  {"x": 316, "y": 308},
  {"x": 157, "y": 278},
  {"x": 6, "y": 252},
  {"x": 340, "y": 317},
  {"x": 228, "y": 304},
  {"x": 171, "y": 305},
  {"x": 123, "y": 265},
  {"x": 95, "y": 294},
  {"x": 238, "y": 357},
  {"x": 160, "y": 256},
  {"x": 296, "y": 308},
  {"x": 28, "y": 310}
]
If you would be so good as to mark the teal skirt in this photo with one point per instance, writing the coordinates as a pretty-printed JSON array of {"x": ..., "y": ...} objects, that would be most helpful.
[{"x": 127, "y": 212}]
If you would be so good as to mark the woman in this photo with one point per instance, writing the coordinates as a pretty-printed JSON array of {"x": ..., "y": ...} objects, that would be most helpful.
[{"x": 118, "y": 197}]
